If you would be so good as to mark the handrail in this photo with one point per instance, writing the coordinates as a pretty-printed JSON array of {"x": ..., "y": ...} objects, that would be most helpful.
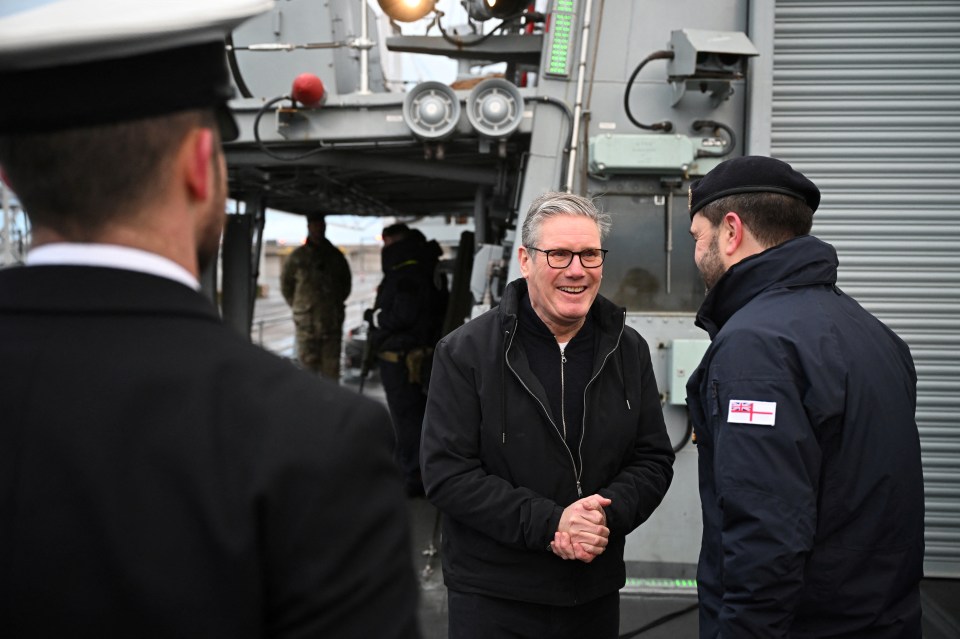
[{"x": 260, "y": 322}]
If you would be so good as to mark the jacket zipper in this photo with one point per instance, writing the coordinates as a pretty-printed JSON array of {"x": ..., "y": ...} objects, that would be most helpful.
[
  {"x": 563, "y": 418},
  {"x": 583, "y": 426},
  {"x": 563, "y": 394},
  {"x": 573, "y": 463}
]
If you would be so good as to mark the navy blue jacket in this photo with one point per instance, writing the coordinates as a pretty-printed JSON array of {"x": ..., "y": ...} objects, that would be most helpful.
[
  {"x": 495, "y": 462},
  {"x": 812, "y": 515},
  {"x": 160, "y": 476}
]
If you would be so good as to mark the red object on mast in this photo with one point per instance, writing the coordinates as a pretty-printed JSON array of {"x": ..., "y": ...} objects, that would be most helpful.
[{"x": 308, "y": 90}]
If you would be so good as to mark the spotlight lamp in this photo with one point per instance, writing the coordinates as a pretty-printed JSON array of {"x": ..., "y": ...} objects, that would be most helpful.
[
  {"x": 710, "y": 60},
  {"x": 407, "y": 10},
  {"x": 431, "y": 110},
  {"x": 486, "y": 9},
  {"x": 495, "y": 108}
]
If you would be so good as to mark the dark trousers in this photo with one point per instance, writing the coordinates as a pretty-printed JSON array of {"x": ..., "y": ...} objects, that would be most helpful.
[
  {"x": 473, "y": 616},
  {"x": 407, "y": 403}
]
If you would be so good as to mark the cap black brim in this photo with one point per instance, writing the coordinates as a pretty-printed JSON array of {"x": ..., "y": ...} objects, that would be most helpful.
[{"x": 118, "y": 90}]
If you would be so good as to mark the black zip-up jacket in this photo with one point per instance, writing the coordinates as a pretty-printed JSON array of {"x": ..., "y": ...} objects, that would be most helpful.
[
  {"x": 495, "y": 463},
  {"x": 813, "y": 501}
]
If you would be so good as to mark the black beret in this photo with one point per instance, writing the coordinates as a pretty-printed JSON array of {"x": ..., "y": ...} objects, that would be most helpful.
[{"x": 752, "y": 174}]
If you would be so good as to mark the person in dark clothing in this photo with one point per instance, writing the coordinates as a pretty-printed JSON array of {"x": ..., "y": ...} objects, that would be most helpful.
[
  {"x": 405, "y": 324},
  {"x": 544, "y": 443},
  {"x": 161, "y": 476},
  {"x": 803, "y": 407}
]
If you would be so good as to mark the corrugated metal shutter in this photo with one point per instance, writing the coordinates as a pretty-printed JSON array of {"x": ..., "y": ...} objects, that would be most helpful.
[{"x": 866, "y": 101}]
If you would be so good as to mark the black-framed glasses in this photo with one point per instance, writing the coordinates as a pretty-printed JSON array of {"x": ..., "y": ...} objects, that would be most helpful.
[{"x": 562, "y": 258}]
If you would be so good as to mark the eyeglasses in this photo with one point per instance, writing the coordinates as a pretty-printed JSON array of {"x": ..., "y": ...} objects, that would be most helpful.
[{"x": 562, "y": 258}]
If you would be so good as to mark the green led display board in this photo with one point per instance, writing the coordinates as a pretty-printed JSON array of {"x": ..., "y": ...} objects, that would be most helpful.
[{"x": 560, "y": 42}]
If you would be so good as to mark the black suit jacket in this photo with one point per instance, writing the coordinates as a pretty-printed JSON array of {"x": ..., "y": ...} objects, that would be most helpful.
[{"x": 161, "y": 477}]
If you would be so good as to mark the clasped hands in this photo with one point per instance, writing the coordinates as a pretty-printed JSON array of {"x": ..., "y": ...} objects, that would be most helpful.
[{"x": 582, "y": 533}]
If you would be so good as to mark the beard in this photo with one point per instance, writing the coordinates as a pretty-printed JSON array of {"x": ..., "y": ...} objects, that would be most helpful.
[
  {"x": 208, "y": 236},
  {"x": 208, "y": 243},
  {"x": 711, "y": 266}
]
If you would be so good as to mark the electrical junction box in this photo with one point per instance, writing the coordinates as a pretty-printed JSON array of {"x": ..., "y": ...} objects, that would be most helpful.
[
  {"x": 661, "y": 154},
  {"x": 684, "y": 357}
]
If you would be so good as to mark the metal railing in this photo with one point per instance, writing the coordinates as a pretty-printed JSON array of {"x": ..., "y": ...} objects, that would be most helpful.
[{"x": 261, "y": 323}]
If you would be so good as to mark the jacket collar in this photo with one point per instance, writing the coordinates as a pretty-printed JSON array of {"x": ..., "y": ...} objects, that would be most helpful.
[
  {"x": 609, "y": 317},
  {"x": 802, "y": 261},
  {"x": 94, "y": 289}
]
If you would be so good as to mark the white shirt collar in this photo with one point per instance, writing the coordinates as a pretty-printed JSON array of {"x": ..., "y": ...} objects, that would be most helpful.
[{"x": 111, "y": 256}]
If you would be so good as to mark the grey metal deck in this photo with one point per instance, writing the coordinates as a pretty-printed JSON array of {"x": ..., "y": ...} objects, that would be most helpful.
[{"x": 640, "y": 602}]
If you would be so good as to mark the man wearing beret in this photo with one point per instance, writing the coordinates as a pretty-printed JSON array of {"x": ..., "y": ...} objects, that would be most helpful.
[
  {"x": 160, "y": 476},
  {"x": 803, "y": 407}
]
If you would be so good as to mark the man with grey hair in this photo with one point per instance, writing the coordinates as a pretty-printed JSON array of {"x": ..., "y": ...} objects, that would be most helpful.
[{"x": 543, "y": 442}]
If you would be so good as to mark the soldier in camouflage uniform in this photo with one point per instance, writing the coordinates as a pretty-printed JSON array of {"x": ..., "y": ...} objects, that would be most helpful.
[{"x": 315, "y": 282}]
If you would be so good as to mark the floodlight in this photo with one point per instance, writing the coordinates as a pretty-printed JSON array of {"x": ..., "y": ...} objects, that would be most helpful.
[
  {"x": 431, "y": 110},
  {"x": 486, "y": 9},
  {"x": 708, "y": 60},
  {"x": 495, "y": 108},
  {"x": 407, "y": 10},
  {"x": 702, "y": 54}
]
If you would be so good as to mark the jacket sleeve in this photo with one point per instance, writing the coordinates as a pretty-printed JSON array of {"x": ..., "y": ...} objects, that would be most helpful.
[
  {"x": 402, "y": 309},
  {"x": 453, "y": 475},
  {"x": 766, "y": 473},
  {"x": 647, "y": 470}
]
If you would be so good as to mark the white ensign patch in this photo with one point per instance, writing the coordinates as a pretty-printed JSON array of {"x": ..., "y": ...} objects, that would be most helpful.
[{"x": 748, "y": 411}]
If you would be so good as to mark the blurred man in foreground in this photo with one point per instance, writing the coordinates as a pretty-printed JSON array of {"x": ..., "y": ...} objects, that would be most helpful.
[{"x": 159, "y": 475}]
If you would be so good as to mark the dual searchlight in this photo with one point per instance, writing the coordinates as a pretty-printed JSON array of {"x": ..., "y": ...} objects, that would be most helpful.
[{"x": 494, "y": 108}]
